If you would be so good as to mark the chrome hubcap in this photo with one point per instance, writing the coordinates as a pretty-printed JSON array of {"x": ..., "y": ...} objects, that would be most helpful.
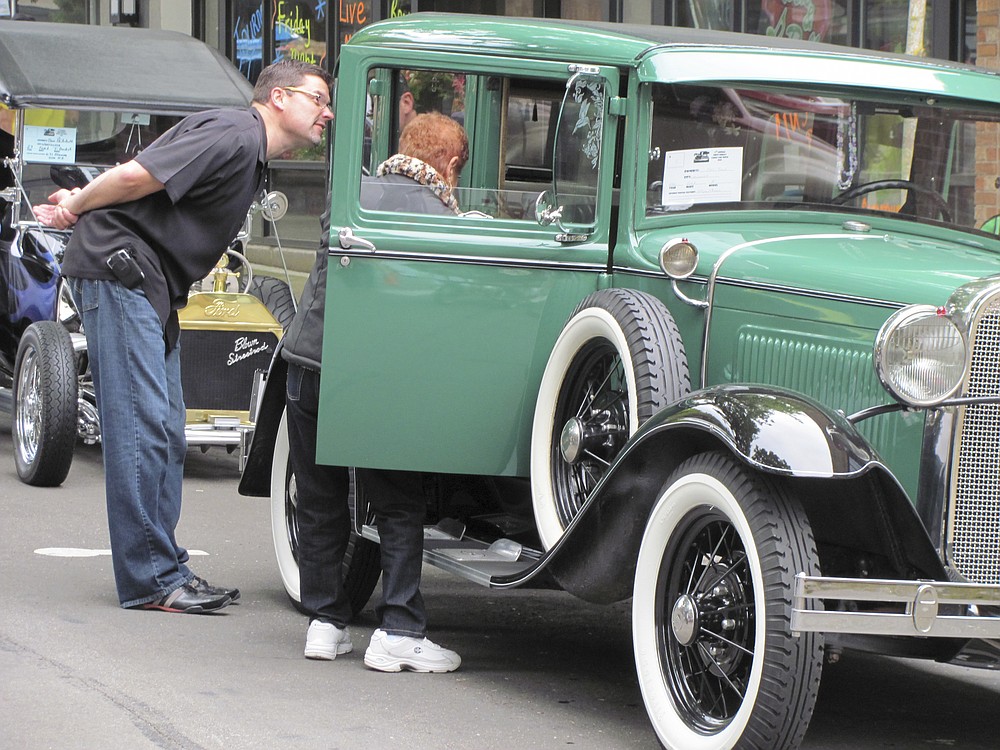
[
  {"x": 684, "y": 620},
  {"x": 571, "y": 440}
]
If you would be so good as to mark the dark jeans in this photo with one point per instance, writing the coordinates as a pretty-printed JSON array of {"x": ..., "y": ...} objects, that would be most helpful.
[
  {"x": 398, "y": 501},
  {"x": 324, "y": 523},
  {"x": 323, "y": 516}
]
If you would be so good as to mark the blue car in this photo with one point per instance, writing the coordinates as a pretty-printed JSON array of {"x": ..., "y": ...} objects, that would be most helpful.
[{"x": 75, "y": 101}]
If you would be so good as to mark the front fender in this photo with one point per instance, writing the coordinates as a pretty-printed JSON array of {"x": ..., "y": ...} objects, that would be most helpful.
[
  {"x": 256, "y": 478},
  {"x": 774, "y": 431},
  {"x": 777, "y": 431}
]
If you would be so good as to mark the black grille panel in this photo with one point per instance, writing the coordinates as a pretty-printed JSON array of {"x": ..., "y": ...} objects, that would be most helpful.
[{"x": 217, "y": 367}]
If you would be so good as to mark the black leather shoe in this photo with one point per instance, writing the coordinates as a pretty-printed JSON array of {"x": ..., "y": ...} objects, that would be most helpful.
[
  {"x": 188, "y": 600},
  {"x": 204, "y": 587}
]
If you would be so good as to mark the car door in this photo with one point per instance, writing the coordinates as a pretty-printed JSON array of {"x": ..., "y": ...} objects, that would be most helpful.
[{"x": 438, "y": 327}]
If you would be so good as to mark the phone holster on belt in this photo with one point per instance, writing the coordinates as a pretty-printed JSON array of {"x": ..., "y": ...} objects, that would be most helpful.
[{"x": 126, "y": 268}]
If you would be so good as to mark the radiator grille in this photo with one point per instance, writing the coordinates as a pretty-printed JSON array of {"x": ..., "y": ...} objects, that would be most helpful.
[
  {"x": 217, "y": 367},
  {"x": 974, "y": 528},
  {"x": 830, "y": 370}
]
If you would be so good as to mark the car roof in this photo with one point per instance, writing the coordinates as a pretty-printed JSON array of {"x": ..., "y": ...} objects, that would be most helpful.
[
  {"x": 594, "y": 41},
  {"x": 75, "y": 66}
]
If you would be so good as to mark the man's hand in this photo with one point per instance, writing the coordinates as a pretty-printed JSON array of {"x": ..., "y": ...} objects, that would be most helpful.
[
  {"x": 53, "y": 213},
  {"x": 126, "y": 182}
]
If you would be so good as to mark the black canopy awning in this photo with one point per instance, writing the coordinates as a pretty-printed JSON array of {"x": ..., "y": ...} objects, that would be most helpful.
[{"x": 72, "y": 66}]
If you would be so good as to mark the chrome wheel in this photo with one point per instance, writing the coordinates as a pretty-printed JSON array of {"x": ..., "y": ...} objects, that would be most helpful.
[
  {"x": 44, "y": 424},
  {"x": 28, "y": 409}
]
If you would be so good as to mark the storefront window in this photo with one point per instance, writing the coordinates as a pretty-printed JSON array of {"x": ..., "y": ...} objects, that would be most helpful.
[
  {"x": 357, "y": 13},
  {"x": 534, "y": 8},
  {"x": 713, "y": 14},
  {"x": 967, "y": 48},
  {"x": 53, "y": 11},
  {"x": 396, "y": 8},
  {"x": 814, "y": 20},
  {"x": 248, "y": 39},
  {"x": 299, "y": 30},
  {"x": 889, "y": 27}
]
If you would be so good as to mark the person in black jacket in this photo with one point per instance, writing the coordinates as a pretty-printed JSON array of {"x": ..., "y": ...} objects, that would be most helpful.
[
  {"x": 144, "y": 231},
  {"x": 419, "y": 179}
]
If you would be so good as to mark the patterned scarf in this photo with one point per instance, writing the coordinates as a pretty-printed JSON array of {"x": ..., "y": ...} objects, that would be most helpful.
[{"x": 421, "y": 172}]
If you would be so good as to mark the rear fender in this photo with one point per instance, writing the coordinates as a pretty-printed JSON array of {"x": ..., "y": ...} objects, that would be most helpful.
[
  {"x": 778, "y": 432},
  {"x": 256, "y": 478}
]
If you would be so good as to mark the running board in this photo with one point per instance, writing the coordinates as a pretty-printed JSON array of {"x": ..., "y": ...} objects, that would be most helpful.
[{"x": 446, "y": 547}]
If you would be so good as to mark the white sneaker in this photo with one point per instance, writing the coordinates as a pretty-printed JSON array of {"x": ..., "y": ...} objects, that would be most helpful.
[
  {"x": 325, "y": 641},
  {"x": 394, "y": 653}
]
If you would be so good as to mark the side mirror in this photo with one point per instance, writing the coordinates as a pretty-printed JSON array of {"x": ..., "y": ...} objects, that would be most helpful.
[{"x": 274, "y": 206}]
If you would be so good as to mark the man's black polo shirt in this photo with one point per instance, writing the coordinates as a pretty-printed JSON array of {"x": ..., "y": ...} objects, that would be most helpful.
[{"x": 212, "y": 166}]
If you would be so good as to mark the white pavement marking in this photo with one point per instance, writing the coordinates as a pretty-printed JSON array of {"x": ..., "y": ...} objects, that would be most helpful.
[{"x": 78, "y": 552}]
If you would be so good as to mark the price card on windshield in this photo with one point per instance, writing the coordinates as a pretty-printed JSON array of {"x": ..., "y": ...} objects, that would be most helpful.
[
  {"x": 702, "y": 175},
  {"x": 49, "y": 145}
]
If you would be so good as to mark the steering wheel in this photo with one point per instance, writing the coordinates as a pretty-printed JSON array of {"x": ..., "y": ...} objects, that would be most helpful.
[{"x": 871, "y": 187}]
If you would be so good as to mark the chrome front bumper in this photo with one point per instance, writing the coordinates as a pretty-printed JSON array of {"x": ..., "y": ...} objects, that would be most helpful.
[
  {"x": 921, "y": 604},
  {"x": 198, "y": 435},
  {"x": 236, "y": 437}
]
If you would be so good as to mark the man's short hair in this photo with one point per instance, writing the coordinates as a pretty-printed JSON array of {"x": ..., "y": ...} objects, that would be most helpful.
[
  {"x": 434, "y": 138},
  {"x": 286, "y": 73}
]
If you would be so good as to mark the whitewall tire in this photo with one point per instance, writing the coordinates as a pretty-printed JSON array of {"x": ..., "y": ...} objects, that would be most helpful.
[
  {"x": 617, "y": 361},
  {"x": 717, "y": 664}
]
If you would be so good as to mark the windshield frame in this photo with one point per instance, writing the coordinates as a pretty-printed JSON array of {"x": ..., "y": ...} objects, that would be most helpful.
[{"x": 826, "y": 102}]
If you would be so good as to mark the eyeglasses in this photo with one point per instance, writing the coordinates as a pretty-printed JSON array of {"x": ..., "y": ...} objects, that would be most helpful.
[{"x": 317, "y": 98}]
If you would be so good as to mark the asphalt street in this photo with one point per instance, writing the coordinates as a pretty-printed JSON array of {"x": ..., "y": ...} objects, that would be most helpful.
[{"x": 540, "y": 669}]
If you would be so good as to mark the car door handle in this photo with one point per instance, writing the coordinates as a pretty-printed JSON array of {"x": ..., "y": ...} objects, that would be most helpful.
[{"x": 349, "y": 240}]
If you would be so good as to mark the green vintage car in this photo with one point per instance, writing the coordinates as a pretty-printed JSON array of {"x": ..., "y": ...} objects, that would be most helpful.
[{"x": 718, "y": 330}]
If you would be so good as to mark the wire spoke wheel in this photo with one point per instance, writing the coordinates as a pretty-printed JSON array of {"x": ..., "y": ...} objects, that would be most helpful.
[
  {"x": 706, "y": 621},
  {"x": 717, "y": 663},
  {"x": 618, "y": 360},
  {"x": 593, "y": 409}
]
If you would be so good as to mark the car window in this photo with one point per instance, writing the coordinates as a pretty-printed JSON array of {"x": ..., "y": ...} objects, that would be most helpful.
[
  {"x": 68, "y": 148},
  {"x": 511, "y": 123},
  {"x": 734, "y": 147}
]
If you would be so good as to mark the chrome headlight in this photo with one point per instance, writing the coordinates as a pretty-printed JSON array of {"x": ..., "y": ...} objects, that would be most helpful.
[
  {"x": 920, "y": 355},
  {"x": 678, "y": 259}
]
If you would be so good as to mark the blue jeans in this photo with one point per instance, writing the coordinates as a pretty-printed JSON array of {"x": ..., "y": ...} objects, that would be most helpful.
[
  {"x": 324, "y": 523},
  {"x": 141, "y": 407}
]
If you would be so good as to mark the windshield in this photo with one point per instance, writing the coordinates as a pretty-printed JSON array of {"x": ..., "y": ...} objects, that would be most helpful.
[
  {"x": 715, "y": 146},
  {"x": 68, "y": 148}
]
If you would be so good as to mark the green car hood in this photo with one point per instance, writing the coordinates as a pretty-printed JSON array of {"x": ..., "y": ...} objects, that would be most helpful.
[{"x": 890, "y": 266}]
